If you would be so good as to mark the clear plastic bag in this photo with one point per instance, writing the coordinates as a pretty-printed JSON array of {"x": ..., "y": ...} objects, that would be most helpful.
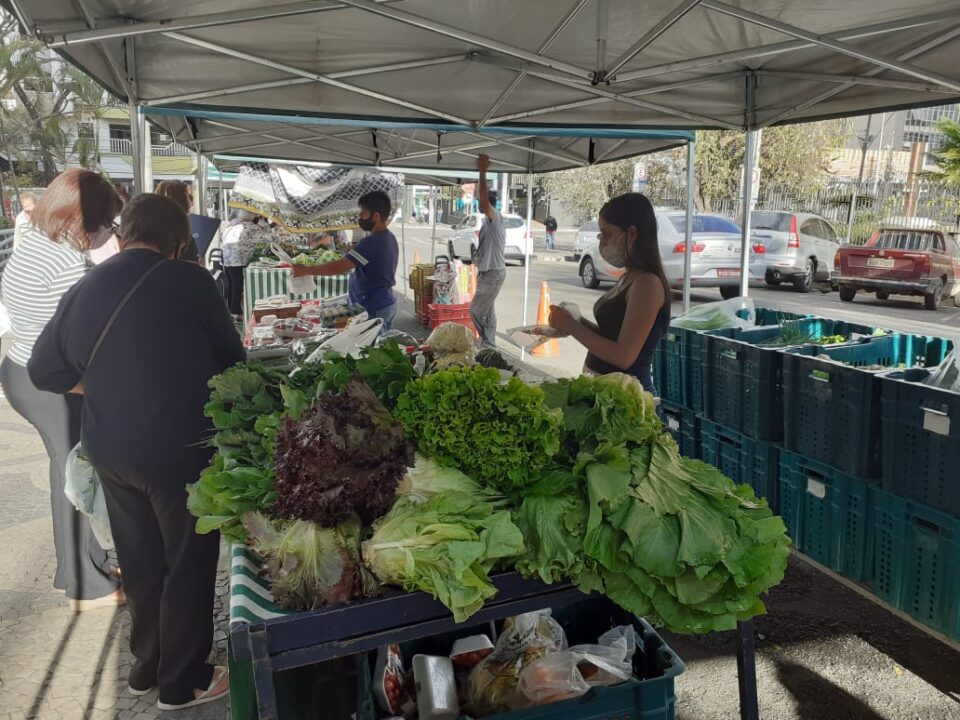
[
  {"x": 82, "y": 488},
  {"x": 946, "y": 375},
  {"x": 525, "y": 639},
  {"x": 572, "y": 672},
  {"x": 739, "y": 312},
  {"x": 530, "y": 337}
]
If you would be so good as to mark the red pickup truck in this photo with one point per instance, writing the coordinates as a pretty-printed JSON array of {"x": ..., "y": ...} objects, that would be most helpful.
[{"x": 900, "y": 261}]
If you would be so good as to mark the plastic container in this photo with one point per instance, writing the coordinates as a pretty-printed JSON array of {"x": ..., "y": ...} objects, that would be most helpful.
[
  {"x": 920, "y": 446},
  {"x": 828, "y": 515},
  {"x": 746, "y": 461},
  {"x": 684, "y": 426},
  {"x": 831, "y": 397},
  {"x": 647, "y": 696},
  {"x": 459, "y": 314},
  {"x": 918, "y": 561}
]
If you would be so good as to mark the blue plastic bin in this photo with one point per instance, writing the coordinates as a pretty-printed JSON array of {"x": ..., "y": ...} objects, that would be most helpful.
[{"x": 745, "y": 461}]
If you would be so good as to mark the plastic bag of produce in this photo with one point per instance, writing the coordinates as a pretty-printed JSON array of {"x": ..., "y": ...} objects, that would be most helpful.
[
  {"x": 451, "y": 344},
  {"x": 525, "y": 639},
  {"x": 571, "y": 673},
  {"x": 737, "y": 312},
  {"x": 946, "y": 375},
  {"x": 82, "y": 488}
]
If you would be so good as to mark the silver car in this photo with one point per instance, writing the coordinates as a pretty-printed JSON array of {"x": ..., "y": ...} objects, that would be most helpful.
[
  {"x": 714, "y": 261},
  {"x": 465, "y": 235},
  {"x": 585, "y": 235},
  {"x": 800, "y": 247}
]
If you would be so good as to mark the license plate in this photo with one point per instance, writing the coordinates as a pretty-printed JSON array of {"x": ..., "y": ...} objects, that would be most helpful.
[
  {"x": 880, "y": 262},
  {"x": 728, "y": 272}
]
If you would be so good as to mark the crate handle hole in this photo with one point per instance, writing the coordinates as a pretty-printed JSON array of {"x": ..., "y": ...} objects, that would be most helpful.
[
  {"x": 816, "y": 487},
  {"x": 928, "y": 526}
]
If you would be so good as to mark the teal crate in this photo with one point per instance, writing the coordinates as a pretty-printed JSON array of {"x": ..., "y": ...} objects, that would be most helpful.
[
  {"x": 920, "y": 435},
  {"x": 649, "y": 695},
  {"x": 770, "y": 316},
  {"x": 828, "y": 515},
  {"x": 747, "y": 462},
  {"x": 812, "y": 329},
  {"x": 684, "y": 426},
  {"x": 917, "y": 567},
  {"x": 831, "y": 397},
  {"x": 660, "y": 366}
]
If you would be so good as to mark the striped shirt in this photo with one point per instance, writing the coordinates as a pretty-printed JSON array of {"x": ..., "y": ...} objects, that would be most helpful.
[{"x": 37, "y": 275}]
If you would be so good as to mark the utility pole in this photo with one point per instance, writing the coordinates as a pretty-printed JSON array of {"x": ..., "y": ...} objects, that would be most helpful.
[{"x": 866, "y": 140}]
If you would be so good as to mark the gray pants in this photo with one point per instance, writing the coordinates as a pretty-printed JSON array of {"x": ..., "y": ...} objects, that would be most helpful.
[{"x": 482, "y": 309}]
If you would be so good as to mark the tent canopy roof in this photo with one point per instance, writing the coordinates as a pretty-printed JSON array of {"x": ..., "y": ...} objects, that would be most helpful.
[{"x": 570, "y": 63}]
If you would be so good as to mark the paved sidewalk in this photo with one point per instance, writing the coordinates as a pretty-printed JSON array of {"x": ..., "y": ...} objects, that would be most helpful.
[{"x": 54, "y": 663}]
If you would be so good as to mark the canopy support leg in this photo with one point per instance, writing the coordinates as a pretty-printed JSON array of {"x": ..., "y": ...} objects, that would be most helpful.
[
  {"x": 688, "y": 234},
  {"x": 404, "y": 273},
  {"x": 749, "y": 163},
  {"x": 747, "y": 671}
]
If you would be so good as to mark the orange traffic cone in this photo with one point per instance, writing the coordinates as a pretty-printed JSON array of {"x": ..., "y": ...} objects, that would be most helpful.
[
  {"x": 551, "y": 348},
  {"x": 472, "y": 286},
  {"x": 416, "y": 257}
]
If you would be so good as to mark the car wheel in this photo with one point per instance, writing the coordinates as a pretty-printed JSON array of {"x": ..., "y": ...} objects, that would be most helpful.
[
  {"x": 847, "y": 294},
  {"x": 588, "y": 274},
  {"x": 773, "y": 282},
  {"x": 931, "y": 301},
  {"x": 729, "y": 291},
  {"x": 883, "y": 295},
  {"x": 803, "y": 283}
]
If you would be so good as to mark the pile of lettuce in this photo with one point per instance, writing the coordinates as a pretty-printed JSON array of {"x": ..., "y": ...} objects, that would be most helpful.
[
  {"x": 622, "y": 513},
  {"x": 500, "y": 433},
  {"x": 342, "y": 456},
  {"x": 443, "y": 536}
]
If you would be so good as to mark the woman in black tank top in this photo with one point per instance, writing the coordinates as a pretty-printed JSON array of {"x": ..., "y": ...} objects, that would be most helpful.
[{"x": 633, "y": 315}]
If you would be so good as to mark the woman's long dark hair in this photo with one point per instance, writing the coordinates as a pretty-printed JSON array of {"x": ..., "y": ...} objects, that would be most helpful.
[{"x": 635, "y": 209}]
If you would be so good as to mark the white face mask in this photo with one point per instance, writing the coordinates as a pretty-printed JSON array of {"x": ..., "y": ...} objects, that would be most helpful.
[
  {"x": 614, "y": 251},
  {"x": 100, "y": 238}
]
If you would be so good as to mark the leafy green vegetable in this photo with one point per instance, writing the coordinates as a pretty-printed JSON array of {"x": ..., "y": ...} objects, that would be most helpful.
[
  {"x": 502, "y": 434},
  {"x": 310, "y": 566},
  {"x": 445, "y": 545},
  {"x": 662, "y": 535},
  {"x": 427, "y": 478},
  {"x": 386, "y": 369}
]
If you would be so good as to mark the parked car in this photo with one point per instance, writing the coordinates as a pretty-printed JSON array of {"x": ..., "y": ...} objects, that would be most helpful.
[
  {"x": 714, "y": 260},
  {"x": 901, "y": 261},
  {"x": 585, "y": 235},
  {"x": 800, "y": 247},
  {"x": 465, "y": 234}
]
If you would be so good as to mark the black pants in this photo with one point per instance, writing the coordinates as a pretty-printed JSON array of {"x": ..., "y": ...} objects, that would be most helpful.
[
  {"x": 83, "y": 567},
  {"x": 169, "y": 574},
  {"x": 235, "y": 289}
]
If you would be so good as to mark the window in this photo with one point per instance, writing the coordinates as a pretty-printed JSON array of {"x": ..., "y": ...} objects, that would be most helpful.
[
  {"x": 811, "y": 227},
  {"x": 937, "y": 245},
  {"x": 512, "y": 222},
  {"x": 704, "y": 224},
  {"x": 119, "y": 132},
  {"x": 828, "y": 232},
  {"x": 770, "y": 221},
  {"x": 904, "y": 240},
  {"x": 85, "y": 130}
]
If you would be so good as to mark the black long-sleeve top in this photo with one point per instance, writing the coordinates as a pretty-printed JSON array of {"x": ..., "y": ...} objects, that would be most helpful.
[{"x": 145, "y": 390}]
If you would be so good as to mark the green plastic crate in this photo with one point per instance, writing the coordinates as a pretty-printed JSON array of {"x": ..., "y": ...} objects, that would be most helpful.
[
  {"x": 828, "y": 515},
  {"x": 649, "y": 695},
  {"x": 831, "y": 397},
  {"x": 918, "y": 561},
  {"x": 684, "y": 426},
  {"x": 748, "y": 462},
  {"x": 920, "y": 445},
  {"x": 660, "y": 366}
]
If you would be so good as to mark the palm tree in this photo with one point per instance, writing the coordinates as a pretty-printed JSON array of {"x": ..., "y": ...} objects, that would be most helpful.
[{"x": 947, "y": 156}]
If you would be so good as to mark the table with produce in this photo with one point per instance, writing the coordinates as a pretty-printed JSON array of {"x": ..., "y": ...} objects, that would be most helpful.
[
  {"x": 389, "y": 508},
  {"x": 267, "y": 276}
]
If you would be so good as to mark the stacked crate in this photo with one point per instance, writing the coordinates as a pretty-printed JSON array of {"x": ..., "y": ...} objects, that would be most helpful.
[{"x": 422, "y": 288}]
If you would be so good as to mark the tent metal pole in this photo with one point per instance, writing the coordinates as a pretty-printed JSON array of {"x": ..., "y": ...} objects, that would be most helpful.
[
  {"x": 688, "y": 228},
  {"x": 433, "y": 216},
  {"x": 655, "y": 32},
  {"x": 325, "y": 79},
  {"x": 739, "y": 56},
  {"x": 403, "y": 237},
  {"x": 136, "y": 150},
  {"x": 468, "y": 37},
  {"x": 859, "y": 80},
  {"x": 188, "y": 23},
  {"x": 835, "y": 45},
  {"x": 302, "y": 80},
  {"x": 826, "y": 95},
  {"x": 201, "y": 184},
  {"x": 749, "y": 163},
  {"x": 146, "y": 151},
  {"x": 527, "y": 242}
]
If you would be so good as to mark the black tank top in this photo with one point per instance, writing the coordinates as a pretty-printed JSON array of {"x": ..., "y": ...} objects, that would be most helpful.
[{"x": 609, "y": 312}]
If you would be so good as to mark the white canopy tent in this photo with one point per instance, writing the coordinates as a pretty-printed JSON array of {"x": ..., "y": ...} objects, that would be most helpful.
[{"x": 461, "y": 67}]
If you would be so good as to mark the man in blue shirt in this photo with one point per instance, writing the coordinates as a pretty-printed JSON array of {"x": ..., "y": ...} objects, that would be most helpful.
[{"x": 373, "y": 261}]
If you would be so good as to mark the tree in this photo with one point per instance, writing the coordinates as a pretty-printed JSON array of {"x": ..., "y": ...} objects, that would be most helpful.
[
  {"x": 947, "y": 156},
  {"x": 583, "y": 191}
]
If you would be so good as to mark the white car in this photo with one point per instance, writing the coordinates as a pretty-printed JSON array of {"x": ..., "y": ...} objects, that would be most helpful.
[
  {"x": 800, "y": 247},
  {"x": 585, "y": 235},
  {"x": 465, "y": 235},
  {"x": 714, "y": 260}
]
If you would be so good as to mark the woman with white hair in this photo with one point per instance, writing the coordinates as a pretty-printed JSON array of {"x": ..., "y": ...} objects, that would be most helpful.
[{"x": 238, "y": 245}]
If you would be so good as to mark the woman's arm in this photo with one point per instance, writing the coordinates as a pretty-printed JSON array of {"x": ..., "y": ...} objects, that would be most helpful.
[{"x": 644, "y": 301}]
